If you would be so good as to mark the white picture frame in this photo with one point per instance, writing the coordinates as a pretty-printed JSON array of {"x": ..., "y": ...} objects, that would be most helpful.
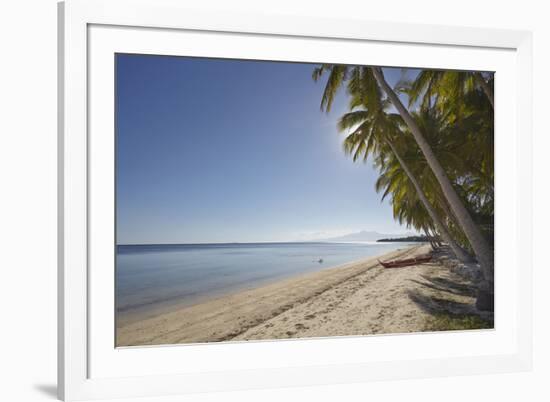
[{"x": 90, "y": 367}]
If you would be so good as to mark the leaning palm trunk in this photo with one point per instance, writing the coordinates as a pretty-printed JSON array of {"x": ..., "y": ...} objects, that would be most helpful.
[
  {"x": 481, "y": 248},
  {"x": 452, "y": 221},
  {"x": 486, "y": 88},
  {"x": 432, "y": 244},
  {"x": 430, "y": 238},
  {"x": 457, "y": 250},
  {"x": 437, "y": 239}
]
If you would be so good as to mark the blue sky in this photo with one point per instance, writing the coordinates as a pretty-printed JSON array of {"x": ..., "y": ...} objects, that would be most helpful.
[{"x": 212, "y": 150}]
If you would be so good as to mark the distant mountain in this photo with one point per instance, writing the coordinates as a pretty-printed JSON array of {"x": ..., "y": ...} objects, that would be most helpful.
[{"x": 366, "y": 235}]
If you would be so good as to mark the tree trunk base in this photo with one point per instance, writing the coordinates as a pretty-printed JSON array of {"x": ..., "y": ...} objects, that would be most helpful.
[{"x": 485, "y": 300}]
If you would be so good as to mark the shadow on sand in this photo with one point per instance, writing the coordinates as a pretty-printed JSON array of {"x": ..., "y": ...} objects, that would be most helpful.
[
  {"x": 447, "y": 285},
  {"x": 436, "y": 305},
  {"x": 450, "y": 303},
  {"x": 441, "y": 294}
]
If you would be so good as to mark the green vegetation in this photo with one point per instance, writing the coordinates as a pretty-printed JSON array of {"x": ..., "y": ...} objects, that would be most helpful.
[
  {"x": 434, "y": 156},
  {"x": 454, "y": 322}
]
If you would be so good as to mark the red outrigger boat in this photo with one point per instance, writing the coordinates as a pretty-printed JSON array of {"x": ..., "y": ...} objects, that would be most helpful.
[{"x": 406, "y": 262}]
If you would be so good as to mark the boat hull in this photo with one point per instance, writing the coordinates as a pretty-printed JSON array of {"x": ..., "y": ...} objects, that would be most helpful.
[{"x": 406, "y": 262}]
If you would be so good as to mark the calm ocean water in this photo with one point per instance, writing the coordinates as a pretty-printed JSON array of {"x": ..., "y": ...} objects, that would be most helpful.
[{"x": 153, "y": 278}]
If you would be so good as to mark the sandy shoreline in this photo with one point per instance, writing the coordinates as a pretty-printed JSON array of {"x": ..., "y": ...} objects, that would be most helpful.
[{"x": 358, "y": 298}]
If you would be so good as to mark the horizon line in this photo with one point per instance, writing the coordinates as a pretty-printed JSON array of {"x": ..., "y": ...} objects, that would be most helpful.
[{"x": 265, "y": 242}]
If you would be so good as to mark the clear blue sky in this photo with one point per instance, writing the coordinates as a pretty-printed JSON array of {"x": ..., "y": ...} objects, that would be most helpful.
[{"x": 212, "y": 150}]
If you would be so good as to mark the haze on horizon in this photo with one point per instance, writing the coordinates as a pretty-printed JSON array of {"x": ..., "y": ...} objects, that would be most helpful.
[{"x": 224, "y": 151}]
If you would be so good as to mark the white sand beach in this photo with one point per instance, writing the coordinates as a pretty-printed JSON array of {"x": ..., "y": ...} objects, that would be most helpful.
[{"x": 358, "y": 298}]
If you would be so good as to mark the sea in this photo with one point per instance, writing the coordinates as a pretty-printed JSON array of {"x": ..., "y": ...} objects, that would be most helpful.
[{"x": 152, "y": 279}]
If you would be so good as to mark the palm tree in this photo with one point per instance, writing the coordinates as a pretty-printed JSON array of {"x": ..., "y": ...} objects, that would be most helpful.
[
  {"x": 487, "y": 88},
  {"x": 446, "y": 87},
  {"x": 480, "y": 246},
  {"x": 442, "y": 229},
  {"x": 370, "y": 131},
  {"x": 460, "y": 132},
  {"x": 362, "y": 78}
]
